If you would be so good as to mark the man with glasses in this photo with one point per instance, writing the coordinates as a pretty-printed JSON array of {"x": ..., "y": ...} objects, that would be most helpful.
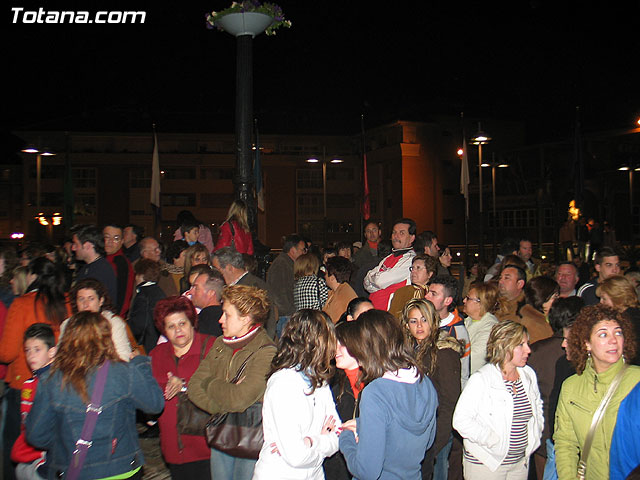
[
  {"x": 423, "y": 267},
  {"x": 151, "y": 249},
  {"x": 125, "y": 279}
]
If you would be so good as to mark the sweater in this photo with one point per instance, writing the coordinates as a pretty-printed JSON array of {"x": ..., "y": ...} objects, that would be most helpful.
[
  {"x": 485, "y": 426},
  {"x": 391, "y": 274},
  {"x": 210, "y": 388},
  {"x": 23, "y": 313},
  {"x": 163, "y": 361},
  {"x": 579, "y": 399},
  {"x": 291, "y": 412},
  {"x": 338, "y": 301},
  {"x": 396, "y": 426},
  {"x": 479, "y": 336}
]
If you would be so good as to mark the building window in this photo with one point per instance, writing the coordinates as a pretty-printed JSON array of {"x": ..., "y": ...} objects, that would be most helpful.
[
  {"x": 340, "y": 174},
  {"x": 216, "y": 173},
  {"x": 307, "y": 178},
  {"x": 216, "y": 200},
  {"x": 341, "y": 201},
  {"x": 85, "y": 205},
  {"x": 84, "y": 177},
  {"x": 180, "y": 173},
  {"x": 47, "y": 171},
  {"x": 178, "y": 199},
  {"x": 309, "y": 205},
  {"x": 47, "y": 199},
  {"x": 140, "y": 178}
]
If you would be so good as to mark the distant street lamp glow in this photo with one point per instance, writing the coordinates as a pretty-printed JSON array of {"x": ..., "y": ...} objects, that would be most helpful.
[
  {"x": 312, "y": 160},
  {"x": 460, "y": 152}
]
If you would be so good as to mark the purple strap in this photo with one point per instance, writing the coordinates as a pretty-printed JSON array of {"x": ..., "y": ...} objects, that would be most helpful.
[{"x": 93, "y": 410}]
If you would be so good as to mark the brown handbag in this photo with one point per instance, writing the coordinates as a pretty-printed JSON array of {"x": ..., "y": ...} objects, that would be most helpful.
[
  {"x": 190, "y": 419},
  {"x": 238, "y": 434}
]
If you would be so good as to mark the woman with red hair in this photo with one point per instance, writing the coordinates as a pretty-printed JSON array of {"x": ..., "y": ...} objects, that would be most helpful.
[{"x": 172, "y": 364}]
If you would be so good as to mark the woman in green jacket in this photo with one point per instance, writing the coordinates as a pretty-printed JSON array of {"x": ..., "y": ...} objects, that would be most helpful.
[
  {"x": 599, "y": 342},
  {"x": 245, "y": 309}
]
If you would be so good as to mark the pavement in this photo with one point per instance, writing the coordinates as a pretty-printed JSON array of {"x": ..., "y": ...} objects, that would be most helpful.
[{"x": 154, "y": 468}]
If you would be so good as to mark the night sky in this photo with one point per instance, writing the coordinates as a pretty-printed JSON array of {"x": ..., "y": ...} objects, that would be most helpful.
[{"x": 532, "y": 61}]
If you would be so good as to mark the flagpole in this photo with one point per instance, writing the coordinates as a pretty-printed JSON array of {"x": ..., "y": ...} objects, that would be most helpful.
[
  {"x": 464, "y": 189},
  {"x": 366, "y": 204},
  {"x": 154, "y": 196}
]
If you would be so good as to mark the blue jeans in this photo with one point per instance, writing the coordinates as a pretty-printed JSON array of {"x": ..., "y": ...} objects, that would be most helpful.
[
  {"x": 550, "y": 472},
  {"x": 441, "y": 464},
  {"x": 226, "y": 467}
]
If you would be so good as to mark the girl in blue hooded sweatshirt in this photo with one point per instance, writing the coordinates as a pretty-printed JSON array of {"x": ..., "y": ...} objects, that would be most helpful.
[{"x": 397, "y": 421}]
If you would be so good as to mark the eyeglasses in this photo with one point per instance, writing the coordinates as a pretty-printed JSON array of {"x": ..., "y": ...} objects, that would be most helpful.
[
  {"x": 472, "y": 299},
  {"x": 115, "y": 238},
  {"x": 416, "y": 268}
]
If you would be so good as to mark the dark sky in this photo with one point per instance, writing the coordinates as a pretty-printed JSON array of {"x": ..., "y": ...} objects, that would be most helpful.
[{"x": 532, "y": 61}]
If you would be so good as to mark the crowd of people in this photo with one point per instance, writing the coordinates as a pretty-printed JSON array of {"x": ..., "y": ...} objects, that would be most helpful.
[{"x": 369, "y": 361}]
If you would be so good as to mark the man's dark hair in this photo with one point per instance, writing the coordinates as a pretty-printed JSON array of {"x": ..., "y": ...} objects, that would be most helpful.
[
  {"x": 175, "y": 249},
  {"x": 343, "y": 245},
  {"x": 407, "y": 221},
  {"x": 41, "y": 331},
  {"x": 188, "y": 225},
  {"x": 91, "y": 234},
  {"x": 291, "y": 241},
  {"x": 112, "y": 225},
  {"x": 522, "y": 274},
  {"x": 571, "y": 264},
  {"x": 229, "y": 256},
  {"x": 508, "y": 246},
  {"x": 450, "y": 285},
  {"x": 371, "y": 222},
  {"x": 339, "y": 267},
  {"x": 604, "y": 252},
  {"x": 137, "y": 230},
  {"x": 422, "y": 240},
  {"x": 564, "y": 311},
  {"x": 148, "y": 269}
]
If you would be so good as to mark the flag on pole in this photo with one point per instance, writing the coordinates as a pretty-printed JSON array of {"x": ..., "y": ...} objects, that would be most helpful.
[
  {"x": 257, "y": 173},
  {"x": 464, "y": 175},
  {"x": 155, "y": 181},
  {"x": 366, "y": 203}
]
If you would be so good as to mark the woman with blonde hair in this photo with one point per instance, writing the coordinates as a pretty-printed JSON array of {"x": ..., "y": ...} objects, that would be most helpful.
[
  {"x": 480, "y": 304},
  {"x": 245, "y": 309},
  {"x": 300, "y": 421},
  {"x": 235, "y": 232},
  {"x": 439, "y": 354},
  {"x": 19, "y": 282},
  {"x": 194, "y": 255},
  {"x": 618, "y": 292},
  {"x": 499, "y": 413},
  {"x": 309, "y": 290},
  {"x": 85, "y": 355}
]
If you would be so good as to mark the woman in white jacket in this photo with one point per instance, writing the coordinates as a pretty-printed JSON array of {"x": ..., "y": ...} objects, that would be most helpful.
[
  {"x": 299, "y": 417},
  {"x": 499, "y": 413}
]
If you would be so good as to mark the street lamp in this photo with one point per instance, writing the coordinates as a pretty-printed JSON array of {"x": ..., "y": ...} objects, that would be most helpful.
[
  {"x": 45, "y": 152},
  {"x": 334, "y": 160},
  {"x": 480, "y": 138},
  {"x": 493, "y": 164},
  {"x": 630, "y": 168}
]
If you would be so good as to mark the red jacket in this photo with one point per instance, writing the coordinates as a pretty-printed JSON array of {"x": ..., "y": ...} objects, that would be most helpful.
[
  {"x": 241, "y": 238},
  {"x": 163, "y": 360},
  {"x": 125, "y": 281},
  {"x": 22, "y": 452}
]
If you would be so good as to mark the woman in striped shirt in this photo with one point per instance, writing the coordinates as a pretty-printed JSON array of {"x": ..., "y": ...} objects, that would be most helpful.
[{"x": 499, "y": 413}]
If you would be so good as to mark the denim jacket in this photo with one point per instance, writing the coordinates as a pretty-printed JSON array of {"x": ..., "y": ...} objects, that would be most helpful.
[{"x": 57, "y": 417}]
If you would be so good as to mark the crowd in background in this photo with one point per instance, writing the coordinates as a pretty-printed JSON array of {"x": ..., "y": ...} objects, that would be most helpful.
[{"x": 378, "y": 359}]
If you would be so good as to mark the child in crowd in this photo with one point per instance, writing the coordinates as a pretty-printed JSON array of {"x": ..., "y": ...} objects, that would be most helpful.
[{"x": 39, "y": 350}]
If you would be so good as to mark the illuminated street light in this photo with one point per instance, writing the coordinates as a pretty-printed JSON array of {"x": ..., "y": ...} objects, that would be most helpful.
[
  {"x": 493, "y": 164},
  {"x": 481, "y": 138}
]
